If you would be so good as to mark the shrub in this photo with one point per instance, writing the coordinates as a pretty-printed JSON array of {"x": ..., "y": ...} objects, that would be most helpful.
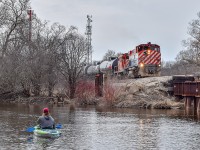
[
  {"x": 85, "y": 91},
  {"x": 110, "y": 93}
]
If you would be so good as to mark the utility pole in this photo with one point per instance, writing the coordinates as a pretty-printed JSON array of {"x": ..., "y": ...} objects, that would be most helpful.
[
  {"x": 30, "y": 14},
  {"x": 89, "y": 39}
]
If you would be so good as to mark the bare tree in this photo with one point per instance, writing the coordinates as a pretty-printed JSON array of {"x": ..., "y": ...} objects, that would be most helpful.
[
  {"x": 72, "y": 57},
  {"x": 33, "y": 65},
  {"x": 54, "y": 40},
  {"x": 12, "y": 15},
  {"x": 178, "y": 68},
  {"x": 41, "y": 60},
  {"x": 108, "y": 54},
  {"x": 192, "y": 52}
]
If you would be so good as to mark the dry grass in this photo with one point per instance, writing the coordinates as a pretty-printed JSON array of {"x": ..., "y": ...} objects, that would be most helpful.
[
  {"x": 85, "y": 92},
  {"x": 168, "y": 104},
  {"x": 111, "y": 93}
]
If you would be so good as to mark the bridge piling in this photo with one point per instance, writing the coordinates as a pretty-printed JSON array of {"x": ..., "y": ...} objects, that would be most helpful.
[
  {"x": 198, "y": 103},
  {"x": 188, "y": 102},
  {"x": 187, "y": 87},
  {"x": 195, "y": 103}
]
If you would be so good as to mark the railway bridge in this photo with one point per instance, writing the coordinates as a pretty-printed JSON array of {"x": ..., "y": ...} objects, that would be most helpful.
[{"x": 188, "y": 88}]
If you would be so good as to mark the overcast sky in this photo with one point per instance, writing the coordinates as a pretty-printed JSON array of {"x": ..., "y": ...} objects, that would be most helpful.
[{"x": 120, "y": 25}]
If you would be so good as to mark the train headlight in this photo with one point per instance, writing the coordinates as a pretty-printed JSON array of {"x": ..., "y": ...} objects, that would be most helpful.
[
  {"x": 141, "y": 65},
  {"x": 148, "y": 52},
  {"x": 159, "y": 65}
]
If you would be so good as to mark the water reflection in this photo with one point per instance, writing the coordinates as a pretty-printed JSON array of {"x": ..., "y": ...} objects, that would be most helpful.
[
  {"x": 39, "y": 143},
  {"x": 101, "y": 128}
]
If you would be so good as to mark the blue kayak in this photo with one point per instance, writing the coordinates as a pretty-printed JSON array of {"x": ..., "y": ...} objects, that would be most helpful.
[{"x": 46, "y": 133}]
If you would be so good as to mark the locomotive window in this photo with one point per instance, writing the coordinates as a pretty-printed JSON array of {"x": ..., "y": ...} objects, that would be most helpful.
[
  {"x": 153, "y": 48},
  {"x": 157, "y": 48},
  {"x": 146, "y": 47},
  {"x": 140, "y": 48}
]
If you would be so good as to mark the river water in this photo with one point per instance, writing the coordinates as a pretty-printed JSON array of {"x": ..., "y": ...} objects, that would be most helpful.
[{"x": 90, "y": 128}]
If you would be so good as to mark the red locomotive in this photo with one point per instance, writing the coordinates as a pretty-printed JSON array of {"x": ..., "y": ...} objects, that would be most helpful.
[{"x": 143, "y": 61}]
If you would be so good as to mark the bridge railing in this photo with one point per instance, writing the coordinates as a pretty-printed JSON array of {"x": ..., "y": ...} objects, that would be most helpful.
[{"x": 187, "y": 88}]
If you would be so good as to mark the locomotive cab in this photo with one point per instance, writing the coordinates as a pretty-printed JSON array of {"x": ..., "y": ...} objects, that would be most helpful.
[{"x": 148, "y": 58}]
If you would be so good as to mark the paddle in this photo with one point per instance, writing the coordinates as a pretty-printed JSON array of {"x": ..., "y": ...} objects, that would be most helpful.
[
  {"x": 31, "y": 129},
  {"x": 58, "y": 126}
]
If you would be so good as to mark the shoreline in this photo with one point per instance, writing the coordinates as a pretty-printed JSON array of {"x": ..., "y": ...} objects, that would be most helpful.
[
  {"x": 100, "y": 102},
  {"x": 146, "y": 93}
]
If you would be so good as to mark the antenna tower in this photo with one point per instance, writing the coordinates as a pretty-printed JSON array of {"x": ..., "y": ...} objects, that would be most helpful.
[{"x": 89, "y": 39}]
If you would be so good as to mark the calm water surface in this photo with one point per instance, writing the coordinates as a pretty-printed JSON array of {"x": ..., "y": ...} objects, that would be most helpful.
[{"x": 101, "y": 129}]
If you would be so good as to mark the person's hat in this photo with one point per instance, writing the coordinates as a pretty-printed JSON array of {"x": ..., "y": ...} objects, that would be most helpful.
[{"x": 45, "y": 110}]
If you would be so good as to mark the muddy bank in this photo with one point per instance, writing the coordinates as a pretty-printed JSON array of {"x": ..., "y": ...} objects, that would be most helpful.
[
  {"x": 30, "y": 100},
  {"x": 22, "y": 97}
]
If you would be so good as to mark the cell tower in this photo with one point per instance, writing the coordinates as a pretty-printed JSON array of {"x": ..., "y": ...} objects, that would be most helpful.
[{"x": 89, "y": 39}]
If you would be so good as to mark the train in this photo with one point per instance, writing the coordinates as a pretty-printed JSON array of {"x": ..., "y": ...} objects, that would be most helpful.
[{"x": 143, "y": 61}]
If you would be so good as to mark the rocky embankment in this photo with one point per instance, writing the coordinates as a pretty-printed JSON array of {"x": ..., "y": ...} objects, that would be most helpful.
[{"x": 151, "y": 92}]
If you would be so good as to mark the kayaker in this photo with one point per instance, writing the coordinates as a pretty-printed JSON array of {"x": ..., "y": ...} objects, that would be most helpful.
[{"x": 46, "y": 121}]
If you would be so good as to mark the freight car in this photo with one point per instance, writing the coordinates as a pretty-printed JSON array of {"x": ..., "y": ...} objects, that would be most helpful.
[{"x": 143, "y": 61}]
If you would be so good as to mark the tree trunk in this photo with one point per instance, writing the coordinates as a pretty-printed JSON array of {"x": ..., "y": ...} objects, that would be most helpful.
[
  {"x": 50, "y": 90},
  {"x": 72, "y": 87},
  {"x": 36, "y": 89},
  {"x": 72, "y": 91}
]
